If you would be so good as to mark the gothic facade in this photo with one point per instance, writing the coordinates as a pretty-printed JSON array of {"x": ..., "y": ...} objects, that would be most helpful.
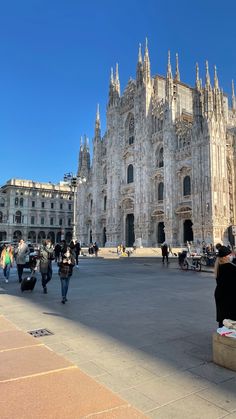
[{"x": 165, "y": 168}]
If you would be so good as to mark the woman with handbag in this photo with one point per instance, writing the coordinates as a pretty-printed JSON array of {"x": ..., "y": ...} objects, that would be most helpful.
[
  {"x": 65, "y": 270},
  {"x": 6, "y": 261}
]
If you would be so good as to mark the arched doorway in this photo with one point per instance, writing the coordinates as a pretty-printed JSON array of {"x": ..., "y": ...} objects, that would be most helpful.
[
  {"x": 32, "y": 236},
  {"x": 51, "y": 236},
  {"x": 41, "y": 236},
  {"x": 188, "y": 231},
  {"x": 58, "y": 237},
  {"x": 3, "y": 235},
  {"x": 68, "y": 237},
  {"x": 17, "y": 236},
  {"x": 161, "y": 233},
  {"x": 104, "y": 236},
  {"x": 130, "y": 238}
]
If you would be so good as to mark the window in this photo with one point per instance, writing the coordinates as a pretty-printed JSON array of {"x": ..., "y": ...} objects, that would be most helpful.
[
  {"x": 160, "y": 191},
  {"x": 2, "y": 202},
  {"x": 1, "y": 217},
  {"x": 160, "y": 159},
  {"x": 105, "y": 203},
  {"x": 91, "y": 206},
  {"x": 187, "y": 186},
  {"x": 42, "y": 220},
  {"x": 105, "y": 175},
  {"x": 42, "y": 204},
  {"x": 18, "y": 217},
  {"x": 51, "y": 221},
  {"x": 130, "y": 174},
  {"x": 69, "y": 207},
  {"x": 32, "y": 220},
  {"x": 69, "y": 221},
  {"x": 33, "y": 204},
  {"x": 21, "y": 202},
  {"x": 16, "y": 202},
  {"x": 52, "y": 205},
  {"x": 61, "y": 206},
  {"x": 60, "y": 222},
  {"x": 131, "y": 131}
]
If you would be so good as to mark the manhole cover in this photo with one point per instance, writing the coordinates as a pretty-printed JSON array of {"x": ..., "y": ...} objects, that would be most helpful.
[{"x": 40, "y": 332}]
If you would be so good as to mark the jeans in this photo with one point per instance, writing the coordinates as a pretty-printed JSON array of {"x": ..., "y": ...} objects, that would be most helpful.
[
  {"x": 64, "y": 287},
  {"x": 20, "y": 269},
  {"x": 165, "y": 257},
  {"x": 46, "y": 277},
  {"x": 6, "y": 271}
]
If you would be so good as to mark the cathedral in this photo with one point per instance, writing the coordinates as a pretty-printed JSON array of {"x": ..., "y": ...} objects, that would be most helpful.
[{"x": 165, "y": 169}]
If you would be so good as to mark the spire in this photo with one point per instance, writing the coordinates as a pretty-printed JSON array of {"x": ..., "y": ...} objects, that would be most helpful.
[
  {"x": 97, "y": 124},
  {"x": 233, "y": 97},
  {"x": 177, "y": 74},
  {"x": 198, "y": 83},
  {"x": 139, "y": 68},
  {"x": 169, "y": 71},
  {"x": 81, "y": 142},
  {"x": 87, "y": 143},
  {"x": 216, "y": 82},
  {"x": 140, "y": 60},
  {"x": 112, "y": 77},
  {"x": 111, "y": 88},
  {"x": 169, "y": 81},
  {"x": 208, "y": 81},
  {"x": 117, "y": 81},
  {"x": 146, "y": 65}
]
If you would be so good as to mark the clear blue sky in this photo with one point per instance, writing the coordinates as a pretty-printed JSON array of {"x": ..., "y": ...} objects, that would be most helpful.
[{"x": 56, "y": 57}]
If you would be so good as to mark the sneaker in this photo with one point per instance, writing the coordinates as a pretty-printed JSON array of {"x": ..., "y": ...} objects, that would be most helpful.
[
  {"x": 6, "y": 280},
  {"x": 45, "y": 291},
  {"x": 63, "y": 301}
]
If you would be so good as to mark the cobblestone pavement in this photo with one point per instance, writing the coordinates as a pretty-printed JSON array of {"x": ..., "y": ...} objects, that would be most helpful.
[{"x": 141, "y": 328}]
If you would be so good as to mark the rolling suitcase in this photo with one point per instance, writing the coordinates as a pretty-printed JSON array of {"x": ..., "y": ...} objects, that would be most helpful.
[{"x": 28, "y": 283}]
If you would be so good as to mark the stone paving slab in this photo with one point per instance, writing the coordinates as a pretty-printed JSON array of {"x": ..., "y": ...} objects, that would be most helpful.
[
  {"x": 28, "y": 361},
  {"x": 13, "y": 339},
  {"x": 139, "y": 328},
  {"x": 35, "y": 382},
  {"x": 6, "y": 325}
]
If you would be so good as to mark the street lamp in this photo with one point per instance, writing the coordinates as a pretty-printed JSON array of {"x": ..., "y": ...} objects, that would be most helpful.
[{"x": 73, "y": 181}]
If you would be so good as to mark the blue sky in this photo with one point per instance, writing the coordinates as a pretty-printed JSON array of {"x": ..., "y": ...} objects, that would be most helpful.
[{"x": 56, "y": 57}]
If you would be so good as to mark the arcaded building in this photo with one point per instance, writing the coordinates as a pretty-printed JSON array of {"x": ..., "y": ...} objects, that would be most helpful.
[
  {"x": 165, "y": 168},
  {"x": 35, "y": 211}
]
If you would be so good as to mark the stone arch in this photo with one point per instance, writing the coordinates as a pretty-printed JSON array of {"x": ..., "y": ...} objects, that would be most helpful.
[
  {"x": 51, "y": 236},
  {"x": 32, "y": 236},
  {"x": 17, "y": 235},
  {"x": 41, "y": 236}
]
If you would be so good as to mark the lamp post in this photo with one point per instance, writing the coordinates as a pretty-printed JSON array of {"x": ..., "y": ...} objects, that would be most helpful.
[{"x": 73, "y": 181}]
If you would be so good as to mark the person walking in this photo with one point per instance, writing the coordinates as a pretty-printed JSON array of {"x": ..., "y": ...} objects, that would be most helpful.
[
  {"x": 57, "y": 252},
  {"x": 6, "y": 261},
  {"x": 21, "y": 252},
  {"x": 65, "y": 270},
  {"x": 46, "y": 255},
  {"x": 77, "y": 252},
  {"x": 96, "y": 249},
  {"x": 165, "y": 253},
  {"x": 225, "y": 290}
]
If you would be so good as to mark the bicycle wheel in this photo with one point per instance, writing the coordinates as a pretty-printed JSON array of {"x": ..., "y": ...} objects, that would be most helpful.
[
  {"x": 198, "y": 267},
  {"x": 204, "y": 260},
  {"x": 184, "y": 265}
]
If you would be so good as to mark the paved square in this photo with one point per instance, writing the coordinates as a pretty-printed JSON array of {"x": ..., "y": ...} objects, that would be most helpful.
[{"x": 142, "y": 329}]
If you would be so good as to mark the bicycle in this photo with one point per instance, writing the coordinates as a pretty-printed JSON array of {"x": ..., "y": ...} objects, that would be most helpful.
[{"x": 192, "y": 262}]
